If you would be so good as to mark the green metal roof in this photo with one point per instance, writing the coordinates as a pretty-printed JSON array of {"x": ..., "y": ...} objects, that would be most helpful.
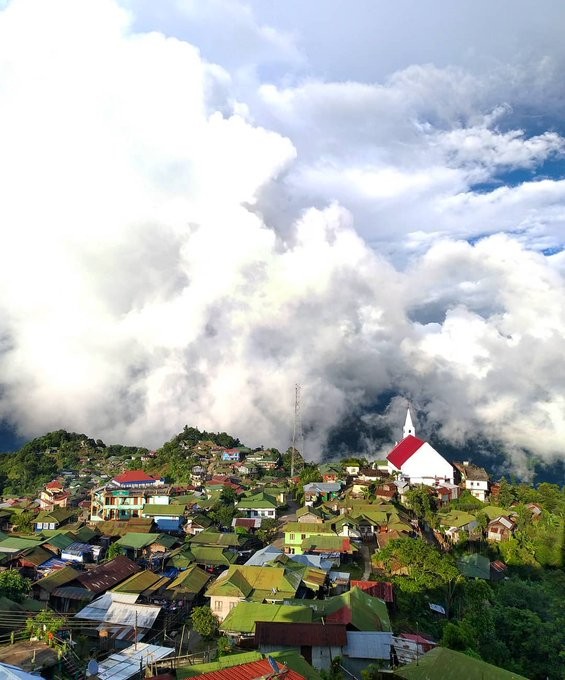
[
  {"x": 260, "y": 501},
  {"x": 216, "y": 538},
  {"x": 493, "y": 511},
  {"x": 242, "y": 618},
  {"x": 363, "y": 611},
  {"x": 446, "y": 664},
  {"x": 456, "y": 518},
  {"x": 163, "y": 510},
  {"x": 61, "y": 540},
  {"x": 257, "y": 583},
  {"x": 14, "y": 543},
  {"x": 213, "y": 556},
  {"x": 57, "y": 578},
  {"x": 56, "y": 515},
  {"x": 137, "y": 541},
  {"x": 181, "y": 558},
  {"x": 137, "y": 583},
  {"x": 474, "y": 566},
  {"x": 190, "y": 581}
]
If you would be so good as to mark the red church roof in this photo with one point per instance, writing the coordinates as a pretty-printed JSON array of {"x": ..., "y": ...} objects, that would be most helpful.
[
  {"x": 405, "y": 450},
  {"x": 134, "y": 476}
]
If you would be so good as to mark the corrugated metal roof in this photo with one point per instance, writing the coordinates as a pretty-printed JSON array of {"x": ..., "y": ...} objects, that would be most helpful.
[
  {"x": 108, "y": 575},
  {"x": 250, "y": 671},
  {"x": 125, "y": 664},
  {"x": 137, "y": 583},
  {"x": 297, "y": 634},
  {"x": 124, "y": 614},
  {"x": 73, "y": 593},
  {"x": 368, "y": 645}
]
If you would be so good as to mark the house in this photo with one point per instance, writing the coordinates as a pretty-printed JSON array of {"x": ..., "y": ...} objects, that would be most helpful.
[
  {"x": 474, "y": 566},
  {"x": 409, "y": 647},
  {"x": 196, "y": 524},
  {"x": 188, "y": 585},
  {"x": 309, "y": 515},
  {"x": 457, "y": 523},
  {"x": 323, "y": 491},
  {"x": 52, "y": 519},
  {"x": 261, "y": 668},
  {"x": 44, "y": 587},
  {"x": 240, "y": 621},
  {"x": 54, "y": 496},
  {"x": 445, "y": 492},
  {"x": 267, "y": 460},
  {"x": 500, "y": 529},
  {"x": 381, "y": 589},
  {"x": 231, "y": 455},
  {"x": 146, "y": 544},
  {"x": 257, "y": 584},
  {"x": 167, "y": 517},
  {"x": 473, "y": 478},
  {"x": 330, "y": 472},
  {"x": 133, "y": 660},
  {"x": 297, "y": 532},
  {"x": 442, "y": 663},
  {"x": 352, "y": 469},
  {"x": 418, "y": 461},
  {"x": 125, "y": 496},
  {"x": 258, "y": 505},
  {"x": 319, "y": 643},
  {"x": 248, "y": 525},
  {"x": 108, "y": 575}
]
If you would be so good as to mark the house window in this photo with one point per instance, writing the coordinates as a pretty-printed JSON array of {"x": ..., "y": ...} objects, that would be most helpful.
[
  {"x": 292, "y": 537},
  {"x": 302, "y": 536},
  {"x": 218, "y": 605}
]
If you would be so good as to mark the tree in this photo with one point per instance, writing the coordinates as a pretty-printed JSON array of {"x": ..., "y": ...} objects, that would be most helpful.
[
  {"x": 268, "y": 530},
  {"x": 422, "y": 503},
  {"x": 114, "y": 550},
  {"x": 14, "y": 586},
  {"x": 205, "y": 622},
  {"x": 45, "y": 625}
]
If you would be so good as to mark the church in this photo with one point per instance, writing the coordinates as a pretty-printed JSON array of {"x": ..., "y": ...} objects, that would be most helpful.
[{"x": 417, "y": 461}]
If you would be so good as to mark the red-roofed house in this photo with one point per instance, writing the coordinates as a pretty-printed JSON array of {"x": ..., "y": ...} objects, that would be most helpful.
[
  {"x": 417, "y": 461},
  {"x": 53, "y": 496},
  {"x": 137, "y": 478},
  {"x": 251, "y": 671}
]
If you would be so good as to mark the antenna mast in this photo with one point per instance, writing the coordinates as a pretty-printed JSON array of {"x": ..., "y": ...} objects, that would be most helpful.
[{"x": 296, "y": 427}]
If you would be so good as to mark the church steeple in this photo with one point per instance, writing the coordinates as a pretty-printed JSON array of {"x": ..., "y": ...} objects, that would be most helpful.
[{"x": 408, "y": 427}]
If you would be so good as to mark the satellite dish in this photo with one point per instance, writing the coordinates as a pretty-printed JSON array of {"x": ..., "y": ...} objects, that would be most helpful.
[
  {"x": 92, "y": 668},
  {"x": 274, "y": 665}
]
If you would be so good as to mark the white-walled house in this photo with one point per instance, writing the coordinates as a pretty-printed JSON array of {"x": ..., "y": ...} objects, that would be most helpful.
[{"x": 417, "y": 461}]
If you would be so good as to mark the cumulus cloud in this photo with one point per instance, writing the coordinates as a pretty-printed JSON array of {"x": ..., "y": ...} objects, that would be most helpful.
[{"x": 177, "y": 253}]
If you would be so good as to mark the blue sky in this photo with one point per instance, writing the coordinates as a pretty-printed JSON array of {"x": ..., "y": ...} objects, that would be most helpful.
[{"x": 205, "y": 203}]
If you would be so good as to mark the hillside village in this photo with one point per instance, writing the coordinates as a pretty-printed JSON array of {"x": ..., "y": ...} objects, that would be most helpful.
[{"x": 205, "y": 557}]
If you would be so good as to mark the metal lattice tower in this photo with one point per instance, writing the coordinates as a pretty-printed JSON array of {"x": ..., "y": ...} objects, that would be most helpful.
[{"x": 297, "y": 428}]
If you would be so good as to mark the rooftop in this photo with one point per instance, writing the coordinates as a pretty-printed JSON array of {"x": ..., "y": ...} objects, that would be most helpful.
[{"x": 404, "y": 450}]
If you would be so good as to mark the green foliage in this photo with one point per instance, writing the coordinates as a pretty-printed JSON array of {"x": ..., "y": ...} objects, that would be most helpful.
[
  {"x": 45, "y": 625},
  {"x": 205, "y": 622},
  {"x": 225, "y": 646},
  {"x": 423, "y": 504},
  {"x": 14, "y": 586},
  {"x": 114, "y": 550},
  {"x": 24, "y": 522},
  {"x": 268, "y": 531},
  {"x": 310, "y": 473}
]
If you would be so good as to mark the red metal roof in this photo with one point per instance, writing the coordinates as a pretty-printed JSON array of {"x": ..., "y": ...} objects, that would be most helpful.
[
  {"x": 405, "y": 450},
  {"x": 134, "y": 476},
  {"x": 381, "y": 589},
  {"x": 55, "y": 484},
  {"x": 251, "y": 671},
  {"x": 343, "y": 615},
  {"x": 298, "y": 634}
]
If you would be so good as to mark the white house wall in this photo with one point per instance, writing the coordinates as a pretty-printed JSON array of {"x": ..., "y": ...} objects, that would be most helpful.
[{"x": 427, "y": 465}]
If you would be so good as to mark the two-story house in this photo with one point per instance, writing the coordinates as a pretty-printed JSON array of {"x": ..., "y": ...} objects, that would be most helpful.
[{"x": 126, "y": 495}]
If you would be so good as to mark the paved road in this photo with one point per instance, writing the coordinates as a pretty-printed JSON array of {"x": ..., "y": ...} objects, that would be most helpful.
[{"x": 366, "y": 555}]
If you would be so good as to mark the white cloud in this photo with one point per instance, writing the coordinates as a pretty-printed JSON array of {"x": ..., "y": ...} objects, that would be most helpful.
[{"x": 175, "y": 253}]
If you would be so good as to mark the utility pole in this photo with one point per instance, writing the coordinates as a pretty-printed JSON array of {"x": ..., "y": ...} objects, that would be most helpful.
[{"x": 296, "y": 426}]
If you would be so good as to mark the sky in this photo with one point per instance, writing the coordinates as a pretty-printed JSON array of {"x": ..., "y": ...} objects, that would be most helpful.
[{"x": 206, "y": 203}]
